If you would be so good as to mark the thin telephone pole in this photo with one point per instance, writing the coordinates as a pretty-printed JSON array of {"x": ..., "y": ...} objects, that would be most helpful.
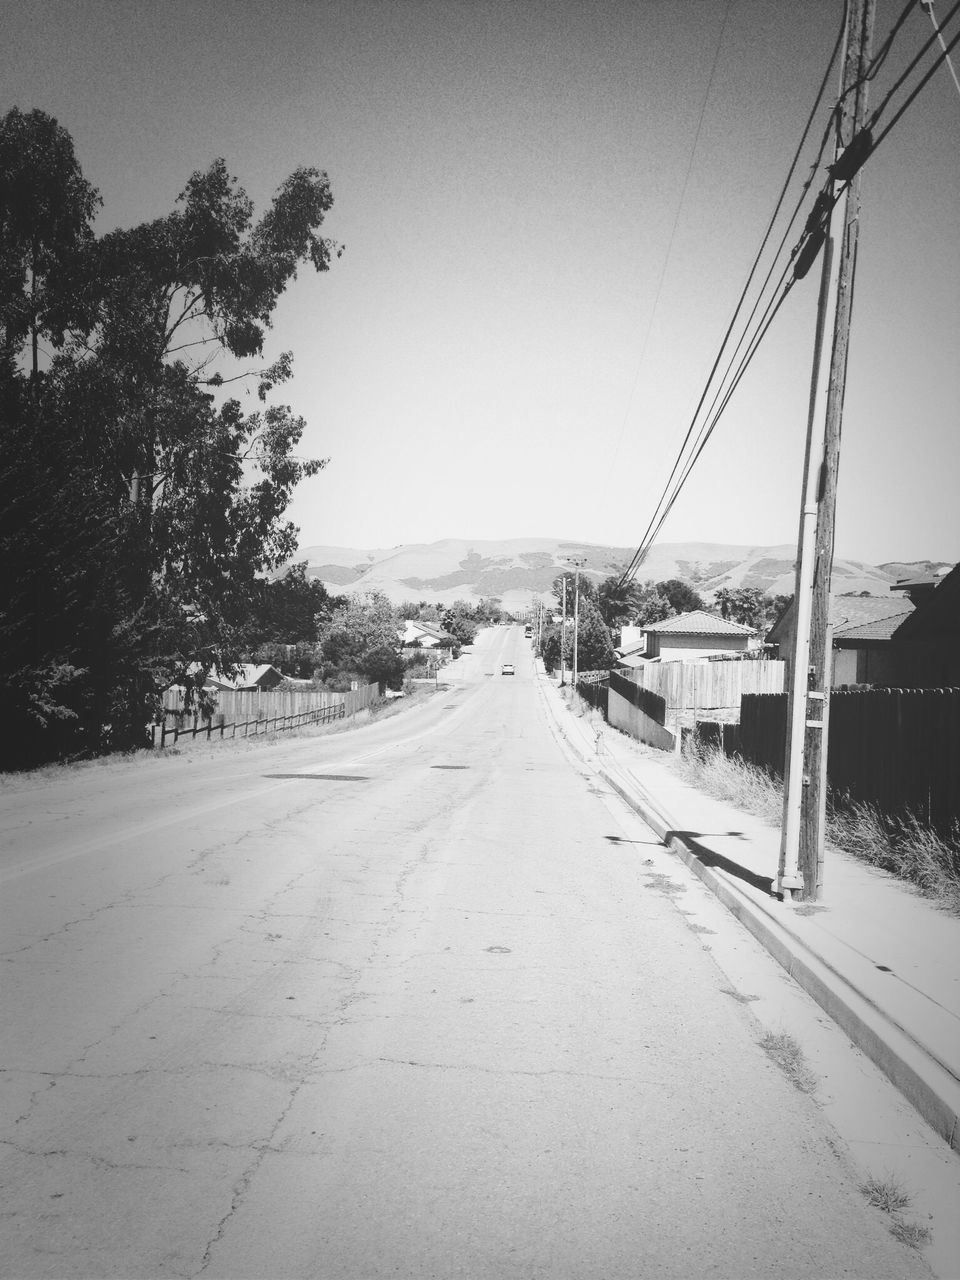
[
  {"x": 563, "y": 630},
  {"x": 576, "y": 561},
  {"x": 801, "y": 849}
]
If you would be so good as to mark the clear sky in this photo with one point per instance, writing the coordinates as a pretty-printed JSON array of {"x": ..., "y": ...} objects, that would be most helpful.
[{"x": 507, "y": 348}]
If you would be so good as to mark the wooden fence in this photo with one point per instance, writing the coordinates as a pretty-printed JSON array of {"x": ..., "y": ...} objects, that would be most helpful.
[
  {"x": 708, "y": 686},
  {"x": 897, "y": 749},
  {"x": 254, "y": 711},
  {"x": 264, "y": 725},
  {"x": 594, "y": 688},
  {"x": 253, "y": 704}
]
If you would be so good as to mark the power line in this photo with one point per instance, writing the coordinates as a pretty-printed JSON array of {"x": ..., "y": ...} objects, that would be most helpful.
[
  {"x": 931, "y": 40},
  {"x": 927, "y": 7},
  {"x": 726, "y": 337},
  {"x": 941, "y": 58},
  {"x": 801, "y": 259},
  {"x": 673, "y": 230}
]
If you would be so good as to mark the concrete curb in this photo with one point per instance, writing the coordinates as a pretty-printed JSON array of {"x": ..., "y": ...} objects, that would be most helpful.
[{"x": 932, "y": 1090}]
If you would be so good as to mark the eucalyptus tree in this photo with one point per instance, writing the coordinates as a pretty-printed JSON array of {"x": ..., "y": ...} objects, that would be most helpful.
[{"x": 169, "y": 497}]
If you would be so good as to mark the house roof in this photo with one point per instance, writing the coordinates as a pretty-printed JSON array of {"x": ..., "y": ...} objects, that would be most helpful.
[
  {"x": 699, "y": 623},
  {"x": 427, "y": 628},
  {"x": 938, "y": 615},
  {"x": 879, "y": 629},
  {"x": 923, "y": 580},
  {"x": 251, "y": 673},
  {"x": 853, "y": 613},
  {"x": 848, "y": 614},
  {"x": 629, "y": 650}
]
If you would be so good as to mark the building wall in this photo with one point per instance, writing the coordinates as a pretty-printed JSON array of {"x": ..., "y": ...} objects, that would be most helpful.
[
  {"x": 845, "y": 667},
  {"x": 631, "y": 635},
  {"x": 689, "y": 648},
  {"x": 630, "y": 719}
]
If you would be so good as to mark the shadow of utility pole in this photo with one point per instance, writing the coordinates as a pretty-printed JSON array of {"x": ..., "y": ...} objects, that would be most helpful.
[{"x": 709, "y": 858}]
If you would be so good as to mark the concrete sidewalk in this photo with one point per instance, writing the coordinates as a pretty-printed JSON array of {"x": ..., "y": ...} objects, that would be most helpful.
[{"x": 883, "y": 962}]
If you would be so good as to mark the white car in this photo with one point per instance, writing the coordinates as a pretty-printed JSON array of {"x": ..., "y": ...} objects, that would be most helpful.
[{"x": 507, "y": 669}]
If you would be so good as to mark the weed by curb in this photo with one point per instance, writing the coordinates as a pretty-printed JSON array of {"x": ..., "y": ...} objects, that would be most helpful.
[
  {"x": 889, "y": 1196},
  {"x": 788, "y": 1056}
]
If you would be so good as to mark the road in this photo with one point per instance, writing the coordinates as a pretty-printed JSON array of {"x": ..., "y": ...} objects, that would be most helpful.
[{"x": 416, "y": 1000}]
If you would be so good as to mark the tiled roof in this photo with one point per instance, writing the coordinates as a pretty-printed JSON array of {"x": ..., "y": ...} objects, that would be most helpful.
[
  {"x": 879, "y": 629},
  {"x": 848, "y": 613},
  {"x": 853, "y": 612},
  {"x": 699, "y": 623}
]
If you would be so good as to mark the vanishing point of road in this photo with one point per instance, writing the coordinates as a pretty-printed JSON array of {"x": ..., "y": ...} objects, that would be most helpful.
[{"x": 412, "y": 1000}]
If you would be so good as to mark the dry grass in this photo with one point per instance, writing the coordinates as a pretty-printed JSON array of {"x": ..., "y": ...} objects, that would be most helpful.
[
  {"x": 886, "y": 1193},
  {"x": 911, "y": 1233},
  {"x": 903, "y": 846},
  {"x": 788, "y": 1056},
  {"x": 731, "y": 779},
  {"x": 889, "y": 1196}
]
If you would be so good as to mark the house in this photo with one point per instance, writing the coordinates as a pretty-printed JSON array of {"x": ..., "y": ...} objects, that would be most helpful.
[
  {"x": 632, "y": 650},
  {"x": 631, "y": 655},
  {"x": 922, "y": 587},
  {"x": 252, "y": 675},
  {"x": 425, "y": 634},
  {"x": 863, "y": 628},
  {"x": 691, "y": 636},
  {"x": 926, "y": 644}
]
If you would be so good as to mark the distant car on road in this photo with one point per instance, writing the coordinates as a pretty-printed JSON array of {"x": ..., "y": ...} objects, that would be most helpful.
[{"x": 507, "y": 669}]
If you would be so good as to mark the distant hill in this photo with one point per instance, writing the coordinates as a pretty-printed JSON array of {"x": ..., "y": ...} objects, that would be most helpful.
[{"x": 518, "y": 569}]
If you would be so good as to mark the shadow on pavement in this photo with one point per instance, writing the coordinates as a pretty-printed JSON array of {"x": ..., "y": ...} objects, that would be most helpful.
[{"x": 710, "y": 858}]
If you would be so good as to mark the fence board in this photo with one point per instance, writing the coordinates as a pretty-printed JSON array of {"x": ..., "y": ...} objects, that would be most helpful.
[
  {"x": 256, "y": 704},
  {"x": 896, "y": 749},
  {"x": 706, "y": 686}
]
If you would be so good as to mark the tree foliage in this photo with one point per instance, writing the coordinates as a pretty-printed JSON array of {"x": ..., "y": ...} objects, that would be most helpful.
[
  {"x": 460, "y": 622},
  {"x": 139, "y": 504},
  {"x": 651, "y": 606},
  {"x": 46, "y": 206},
  {"x": 587, "y": 587},
  {"x": 636, "y": 603},
  {"x": 360, "y": 640},
  {"x": 292, "y": 608},
  {"x": 680, "y": 596},
  {"x": 617, "y": 601},
  {"x": 594, "y": 645},
  {"x": 746, "y": 605}
]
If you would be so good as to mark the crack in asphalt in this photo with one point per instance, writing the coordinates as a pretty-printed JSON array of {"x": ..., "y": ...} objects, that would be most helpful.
[
  {"x": 516, "y": 1071},
  {"x": 99, "y": 1162}
]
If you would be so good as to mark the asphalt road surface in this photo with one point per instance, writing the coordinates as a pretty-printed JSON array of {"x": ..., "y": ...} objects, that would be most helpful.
[{"x": 415, "y": 1000}]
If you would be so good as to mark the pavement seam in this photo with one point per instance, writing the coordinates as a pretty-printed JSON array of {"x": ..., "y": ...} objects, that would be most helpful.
[{"x": 931, "y": 1088}]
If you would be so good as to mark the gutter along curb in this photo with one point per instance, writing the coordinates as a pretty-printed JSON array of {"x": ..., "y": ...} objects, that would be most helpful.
[{"x": 930, "y": 1087}]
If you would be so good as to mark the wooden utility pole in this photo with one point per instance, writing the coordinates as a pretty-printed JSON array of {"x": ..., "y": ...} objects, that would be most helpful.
[
  {"x": 576, "y": 616},
  {"x": 576, "y": 561},
  {"x": 801, "y": 850},
  {"x": 563, "y": 629}
]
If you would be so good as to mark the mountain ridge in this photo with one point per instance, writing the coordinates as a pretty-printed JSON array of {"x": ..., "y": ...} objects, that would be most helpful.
[{"x": 518, "y": 570}]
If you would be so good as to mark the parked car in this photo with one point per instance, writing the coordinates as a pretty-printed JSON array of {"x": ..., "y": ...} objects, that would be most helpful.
[{"x": 507, "y": 669}]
